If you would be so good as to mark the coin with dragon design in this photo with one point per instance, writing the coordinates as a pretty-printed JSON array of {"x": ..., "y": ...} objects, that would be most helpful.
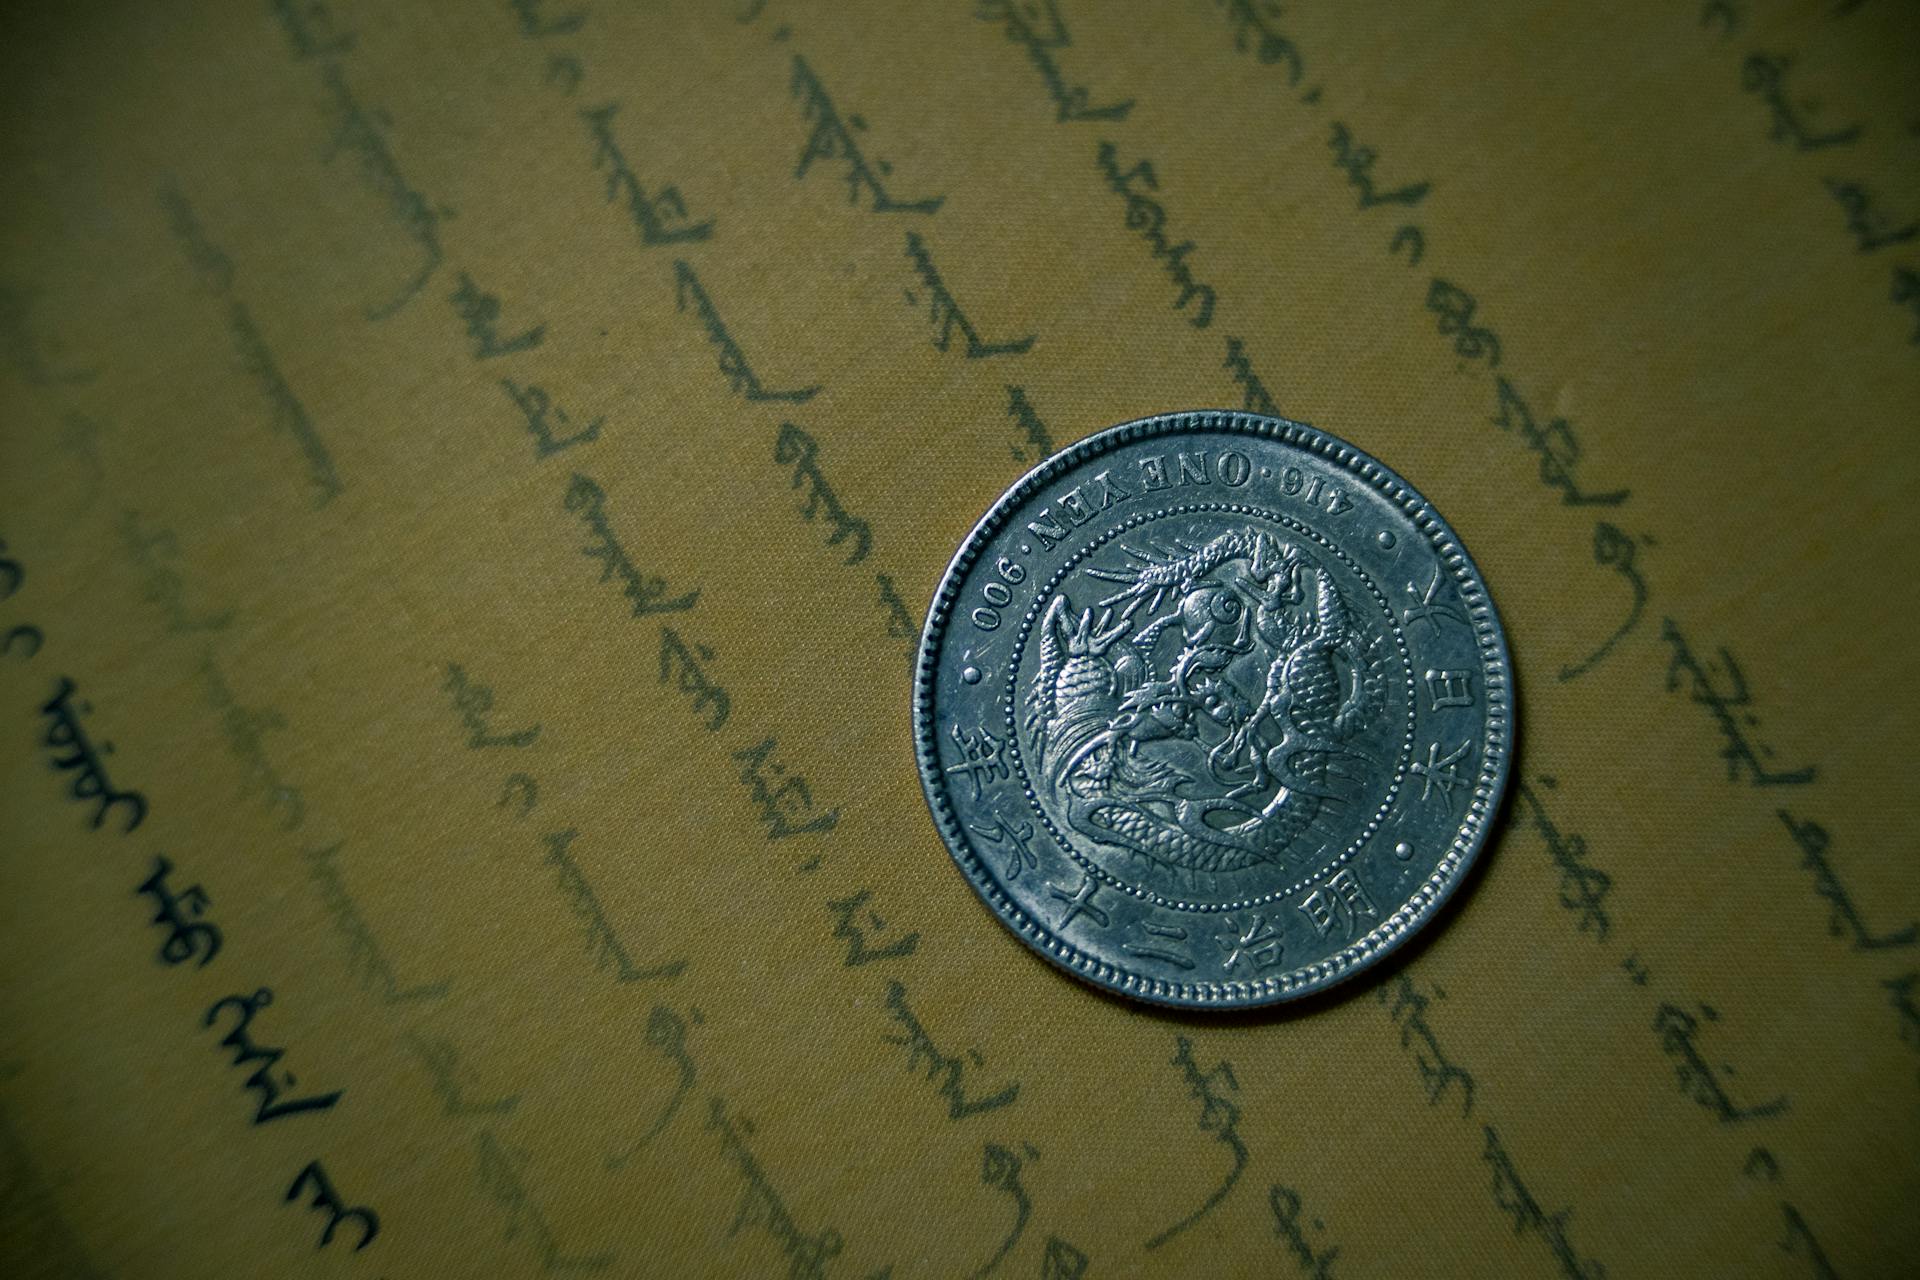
[{"x": 1213, "y": 709}]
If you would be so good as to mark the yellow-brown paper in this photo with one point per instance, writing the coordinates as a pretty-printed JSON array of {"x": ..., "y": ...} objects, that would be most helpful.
[{"x": 481, "y": 467}]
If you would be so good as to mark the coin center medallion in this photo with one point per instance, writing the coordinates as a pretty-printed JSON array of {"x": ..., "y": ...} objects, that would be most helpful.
[
  {"x": 1212, "y": 709},
  {"x": 1212, "y": 694}
]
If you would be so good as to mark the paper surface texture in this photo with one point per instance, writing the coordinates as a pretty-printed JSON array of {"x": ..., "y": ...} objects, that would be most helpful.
[{"x": 471, "y": 479}]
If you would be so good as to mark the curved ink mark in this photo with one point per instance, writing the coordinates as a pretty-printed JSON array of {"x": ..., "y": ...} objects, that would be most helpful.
[
  {"x": 28, "y": 631},
  {"x": 529, "y": 792}
]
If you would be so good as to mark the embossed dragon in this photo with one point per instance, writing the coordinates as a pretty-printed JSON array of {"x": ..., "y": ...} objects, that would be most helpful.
[{"x": 1206, "y": 713}]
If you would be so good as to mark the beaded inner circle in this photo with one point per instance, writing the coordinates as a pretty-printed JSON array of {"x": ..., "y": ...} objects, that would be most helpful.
[{"x": 1225, "y": 614}]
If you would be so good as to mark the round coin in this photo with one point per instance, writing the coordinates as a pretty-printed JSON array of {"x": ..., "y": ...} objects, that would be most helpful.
[{"x": 1213, "y": 710}]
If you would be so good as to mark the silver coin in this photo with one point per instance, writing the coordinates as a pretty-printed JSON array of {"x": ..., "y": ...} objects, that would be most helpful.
[{"x": 1213, "y": 710}]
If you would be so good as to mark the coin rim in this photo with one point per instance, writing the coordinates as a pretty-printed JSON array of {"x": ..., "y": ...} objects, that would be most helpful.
[{"x": 1469, "y": 838}]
